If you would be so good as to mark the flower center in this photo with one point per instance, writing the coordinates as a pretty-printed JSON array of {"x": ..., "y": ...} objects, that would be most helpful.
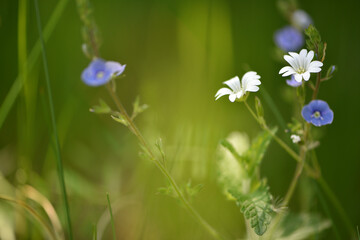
[
  {"x": 100, "y": 74},
  {"x": 317, "y": 114},
  {"x": 301, "y": 70}
]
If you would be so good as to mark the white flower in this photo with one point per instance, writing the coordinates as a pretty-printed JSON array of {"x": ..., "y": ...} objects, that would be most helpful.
[
  {"x": 249, "y": 83},
  {"x": 295, "y": 138},
  {"x": 301, "y": 65}
]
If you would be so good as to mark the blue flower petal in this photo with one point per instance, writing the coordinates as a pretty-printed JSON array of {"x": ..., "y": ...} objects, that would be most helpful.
[
  {"x": 292, "y": 82},
  {"x": 100, "y": 72},
  {"x": 318, "y": 113},
  {"x": 115, "y": 67},
  {"x": 289, "y": 39},
  {"x": 328, "y": 117},
  {"x": 307, "y": 112}
]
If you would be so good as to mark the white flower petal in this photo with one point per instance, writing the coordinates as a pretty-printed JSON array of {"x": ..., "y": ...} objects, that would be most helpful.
[
  {"x": 232, "y": 97},
  {"x": 310, "y": 56},
  {"x": 288, "y": 73},
  {"x": 234, "y": 84},
  {"x": 303, "y": 53},
  {"x": 298, "y": 77},
  {"x": 250, "y": 79},
  {"x": 314, "y": 70},
  {"x": 222, "y": 92},
  {"x": 293, "y": 54},
  {"x": 306, "y": 76},
  {"x": 316, "y": 64},
  {"x": 239, "y": 94},
  {"x": 291, "y": 61},
  {"x": 286, "y": 69},
  {"x": 252, "y": 88}
]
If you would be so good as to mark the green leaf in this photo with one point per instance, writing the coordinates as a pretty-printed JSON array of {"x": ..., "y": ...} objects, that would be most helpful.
[
  {"x": 314, "y": 41},
  {"x": 120, "y": 118},
  {"x": 191, "y": 191},
  {"x": 257, "y": 208},
  {"x": 137, "y": 108},
  {"x": 259, "y": 146},
  {"x": 102, "y": 108},
  {"x": 300, "y": 227}
]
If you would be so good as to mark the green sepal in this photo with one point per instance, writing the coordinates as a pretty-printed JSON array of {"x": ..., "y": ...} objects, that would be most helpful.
[{"x": 102, "y": 108}]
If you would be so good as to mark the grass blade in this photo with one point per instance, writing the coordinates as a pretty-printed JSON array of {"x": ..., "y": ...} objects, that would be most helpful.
[
  {"x": 53, "y": 122},
  {"x": 30, "y": 62},
  {"x": 33, "y": 213},
  {"x": 111, "y": 216}
]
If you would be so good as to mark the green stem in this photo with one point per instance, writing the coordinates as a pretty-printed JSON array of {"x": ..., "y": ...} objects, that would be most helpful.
[
  {"x": 276, "y": 138},
  {"x": 161, "y": 167},
  {"x": 317, "y": 86},
  {"x": 53, "y": 122},
  {"x": 298, "y": 171},
  {"x": 111, "y": 216}
]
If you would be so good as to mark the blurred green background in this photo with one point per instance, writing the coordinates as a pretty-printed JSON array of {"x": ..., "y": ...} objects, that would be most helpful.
[{"x": 177, "y": 54}]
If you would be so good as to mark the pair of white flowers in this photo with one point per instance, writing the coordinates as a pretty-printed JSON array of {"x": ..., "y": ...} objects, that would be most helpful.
[{"x": 301, "y": 65}]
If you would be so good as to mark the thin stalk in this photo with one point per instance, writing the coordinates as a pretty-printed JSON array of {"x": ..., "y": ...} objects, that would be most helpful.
[
  {"x": 30, "y": 62},
  {"x": 53, "y": 122},
  {"x": 161, "y": 167},
  {"x": 317, "y": 86},
  {"x": 111, "y": 216},
  {"x": 33, "y": 213},
  {"x": 298, "y": 171},
  {"x": 291, "y": 152}
]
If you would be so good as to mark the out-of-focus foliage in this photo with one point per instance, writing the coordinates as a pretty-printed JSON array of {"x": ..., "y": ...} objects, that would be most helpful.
[{"x": 177, "y": 54}]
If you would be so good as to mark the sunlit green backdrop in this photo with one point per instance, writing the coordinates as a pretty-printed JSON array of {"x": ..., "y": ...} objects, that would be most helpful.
[{"x": 177, "y": 55}]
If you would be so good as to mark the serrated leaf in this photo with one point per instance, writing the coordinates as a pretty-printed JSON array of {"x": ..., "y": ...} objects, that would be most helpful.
[
  {"x": 256, "y": 207},
  {"x": 314, "y": 42},
  {"x": 102, "y": 108}
]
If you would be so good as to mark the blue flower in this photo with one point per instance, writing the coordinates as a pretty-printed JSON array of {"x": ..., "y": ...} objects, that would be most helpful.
[
  {"x": 292, "y": 82},
  {"x": 301, "y": 19},
  {"x": 99, "y": 72},
  {"x": 318, "y": 113},
  {"x": 289, "y": 39}
]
